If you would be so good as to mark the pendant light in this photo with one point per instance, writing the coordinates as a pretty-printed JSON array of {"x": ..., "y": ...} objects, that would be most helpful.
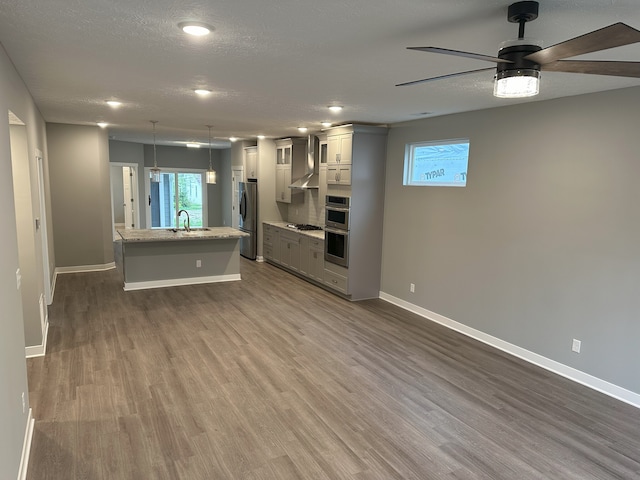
[
  {"x": 211, "y": 173},
  {"x": 154, "y": 174}
]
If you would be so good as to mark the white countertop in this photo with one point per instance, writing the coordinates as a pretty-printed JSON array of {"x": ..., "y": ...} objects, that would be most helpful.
[
  {"x": 317, "y": 234},
  {"x": 164, "y": 235}
]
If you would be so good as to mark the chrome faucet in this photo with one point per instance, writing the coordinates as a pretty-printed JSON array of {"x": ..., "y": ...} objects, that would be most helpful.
[{"x": 187, "y": 223}]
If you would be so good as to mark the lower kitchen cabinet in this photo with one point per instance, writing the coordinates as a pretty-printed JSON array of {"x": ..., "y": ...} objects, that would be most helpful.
[
  {"x": 290, "y": 250},
  {"x": 271, "y": 243},
  {"x": 316, "y": 260},
  {"x": 296, "y": 252},
  {"x": 337, "y": 277}
]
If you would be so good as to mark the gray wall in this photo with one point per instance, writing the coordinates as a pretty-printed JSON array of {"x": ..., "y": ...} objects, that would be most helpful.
[
  {"x": 542, "y": 245},
  {"x": 13, "y": 375},
  {"x": 176, "y": 157},
  {"x": 80, "y": 194}
]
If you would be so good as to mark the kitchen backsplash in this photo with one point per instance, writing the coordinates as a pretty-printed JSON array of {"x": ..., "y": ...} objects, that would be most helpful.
[{"x": 311, "y": 211}]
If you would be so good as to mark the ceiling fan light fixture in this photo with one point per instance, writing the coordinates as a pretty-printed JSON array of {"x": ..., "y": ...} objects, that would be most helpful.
[{"x": 517, "y": 83}]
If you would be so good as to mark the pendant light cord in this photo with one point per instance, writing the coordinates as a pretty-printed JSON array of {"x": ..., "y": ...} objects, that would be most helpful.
[
  {"x": 155, "y": 163},
  {"x": 209, "y": 127}
]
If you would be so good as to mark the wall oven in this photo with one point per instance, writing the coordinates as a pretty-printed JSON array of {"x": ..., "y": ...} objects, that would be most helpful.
[
  {"x": 337, "y": 212},
  {"x": 336, "y": 231},
  {"x": 336, "y": 246}
]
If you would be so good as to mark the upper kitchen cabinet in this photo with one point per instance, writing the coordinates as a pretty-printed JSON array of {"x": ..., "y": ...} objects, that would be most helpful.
[
  {"x": 340, "y": 148},
  {"x": 339, "y": 158},
  {"x": 251, "y": 162},
  {"x": 290, "y": 162}
]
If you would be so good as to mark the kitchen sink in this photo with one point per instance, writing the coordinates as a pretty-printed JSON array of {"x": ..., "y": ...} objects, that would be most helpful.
[{"x": 193, "y": 230}]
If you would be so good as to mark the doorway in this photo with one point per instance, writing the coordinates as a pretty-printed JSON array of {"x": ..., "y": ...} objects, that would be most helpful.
[
  {"x": 41, "y": 227},
  {"x": 125, "y": 210},
  {"x": 237, "y": 177}
]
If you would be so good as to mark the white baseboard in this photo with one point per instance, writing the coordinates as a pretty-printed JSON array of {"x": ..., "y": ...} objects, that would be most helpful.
[
  {"x": 26, "y": 447},
  {"x": 571, "y": 373},
  {"x": 259, "y": 258},
  {"x": 39, "y": 350},
  {"x": 177, "y": 282},
  {"x": 86, "y": 268}
]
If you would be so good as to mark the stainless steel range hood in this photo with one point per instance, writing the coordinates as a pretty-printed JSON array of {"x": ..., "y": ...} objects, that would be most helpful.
[{"x": 310, "y": 179}]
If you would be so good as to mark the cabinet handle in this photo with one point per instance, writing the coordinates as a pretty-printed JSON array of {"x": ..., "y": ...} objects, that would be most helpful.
[
  {"x": 338, "y": 155},
  {"x": 334, "y": 281}
]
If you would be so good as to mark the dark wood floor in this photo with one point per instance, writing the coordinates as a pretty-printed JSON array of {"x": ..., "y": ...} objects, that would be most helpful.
[{"x": 272, "y": 378}]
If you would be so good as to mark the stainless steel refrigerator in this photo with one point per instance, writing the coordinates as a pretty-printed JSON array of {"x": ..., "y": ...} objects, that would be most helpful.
[{"x": 248, "y": 222}]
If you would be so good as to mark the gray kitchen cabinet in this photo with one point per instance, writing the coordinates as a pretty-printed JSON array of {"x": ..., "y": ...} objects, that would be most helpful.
[
  {"x": 297, "y": 252},
  {"x": 322, "y": 171},
  {"x": 339, "y": 148},
  {"x": 339, "y": 158},
  {"x": 283, "y": 180},
  {"x": 304, "y": 255},
  {"x": 290, "y": 165},
  {"x": 251, "y": 162},
  {"x": 337, "y": 278},
  {"x": 339, "y": 174},
  {"x": 312, "y": 258},
  {"x": 290, "y": 250},
  {"x": 271, "y": 243},
  {"x": 316, "y": 259}
]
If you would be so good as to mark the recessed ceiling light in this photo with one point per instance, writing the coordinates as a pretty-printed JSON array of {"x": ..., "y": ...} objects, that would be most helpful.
[
  {"x": 193, "y": 145},
  {"x": 326, "y": 124},
  {"x": 202, "y": 91},
  {"x": 233, "y": 139},
  {"x": 114, "y": 103},
  {"x": 335, "y": 108},
  {"x": 261, "y": 137},
  {"x": 102, "y": 124},
  {"x": 302, "y": 129},
  {"x": 197, "y": 29}
]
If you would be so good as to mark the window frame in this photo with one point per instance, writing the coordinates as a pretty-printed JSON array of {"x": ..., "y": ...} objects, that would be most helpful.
[
  {"x": 409, "y": 162},
  {"x": 174, "y": 170}
]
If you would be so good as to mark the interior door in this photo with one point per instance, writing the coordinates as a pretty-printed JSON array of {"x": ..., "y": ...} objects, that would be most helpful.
[
  {"x": 127, "y": 201},
  {"x": 237, "y": 177}
]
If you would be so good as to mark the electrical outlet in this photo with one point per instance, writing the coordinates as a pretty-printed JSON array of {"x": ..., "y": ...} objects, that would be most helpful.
[
  {"x": 198, "y": 263},
  {"x": 575, "y": 346},
  {"x": 18, "y": 279},
  {"x": 24, "y": 404},
  {"x": 412, "y": 287}
]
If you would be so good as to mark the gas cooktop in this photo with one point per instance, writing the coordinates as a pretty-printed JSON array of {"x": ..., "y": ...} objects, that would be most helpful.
[{"x": 303, "y": 226}]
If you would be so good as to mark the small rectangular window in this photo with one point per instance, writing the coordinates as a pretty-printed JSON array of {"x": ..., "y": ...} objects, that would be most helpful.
[{"x": 441, "y": 163}]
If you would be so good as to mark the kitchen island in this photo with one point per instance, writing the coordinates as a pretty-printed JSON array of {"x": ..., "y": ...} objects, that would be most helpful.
[{"x": 171, "y": 257}]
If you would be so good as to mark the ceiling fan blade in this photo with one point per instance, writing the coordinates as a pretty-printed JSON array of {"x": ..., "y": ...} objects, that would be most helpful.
[
  {"x": 618, "y": 69},
  {"x": 458, "y": 53},
  {"x": 424, "y": 80},
  {"x": 615, "y": 35}
]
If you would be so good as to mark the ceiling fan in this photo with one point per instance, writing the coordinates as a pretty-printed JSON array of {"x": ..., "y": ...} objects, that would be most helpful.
[{"x": 519, "y": 62}]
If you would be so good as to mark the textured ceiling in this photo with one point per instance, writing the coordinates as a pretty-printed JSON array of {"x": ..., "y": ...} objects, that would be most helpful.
[{"x": 274, "y": 66}]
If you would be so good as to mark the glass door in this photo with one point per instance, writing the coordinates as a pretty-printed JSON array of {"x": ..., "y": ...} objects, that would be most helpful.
[{"x": 177, "y": 190}]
